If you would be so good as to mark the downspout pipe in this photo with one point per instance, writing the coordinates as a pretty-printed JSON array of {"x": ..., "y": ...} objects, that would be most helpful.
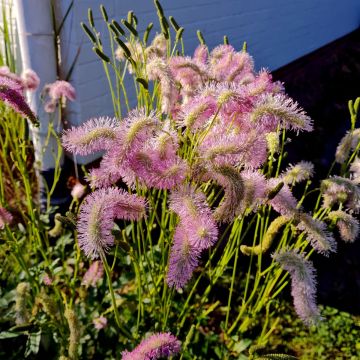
[{"x": 37, "y": 46}]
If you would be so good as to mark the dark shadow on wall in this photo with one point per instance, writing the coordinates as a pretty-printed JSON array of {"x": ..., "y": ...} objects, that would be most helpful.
[{"x": 323, "y": 82}]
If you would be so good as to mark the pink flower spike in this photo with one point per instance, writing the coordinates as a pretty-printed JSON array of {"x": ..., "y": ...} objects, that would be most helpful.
[
  {"x": 94, "y": 135},
  {"x": 317, "y": 234},
  {"x": 5, "y": 218},
  {"x": 183, "y": 260},
  {"x": 201, "y": 54},
  {"x": 93, "y": 274},
  {"x": 97, "y": 214},
  {"x": 30, "y": 79},
  {"x": 303, "y": 284},
  {"x": 154, "y": 347},
  {"x": 47, "y": 280},
  {"x": 61, "y": 88},
  {"x": 11, "y": 94},
  {"x": 78, "y": 191},
  {"x": 100, "y": 322},
  {"x": 284, "y": 202},
  {"x": 272, "y": 110}
]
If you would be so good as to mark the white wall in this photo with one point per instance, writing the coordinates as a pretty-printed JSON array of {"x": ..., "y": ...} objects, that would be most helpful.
[{"x": 277, "y": 32}]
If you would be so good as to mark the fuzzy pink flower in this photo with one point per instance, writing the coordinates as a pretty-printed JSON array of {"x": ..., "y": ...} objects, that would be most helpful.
[
  {"x": 254, "y": 191},
  {"x": 100, "y": 322},
  {"x": 154, "y": 347},
  {"x": 30, "y": 80},
  {"x": 283, "y": 202},
  {"x": 93, "y": 274},
  {"x": 78, "y": 191},
  {"x": 47, "y": 280},
  {"x": 272, "y": 110},
  {"x": 94, "y": 135},
  {"x": 5, "y": 72},
  {"x": 97, "y": 214},
  {"x": 317, "y": 234},
  {"x": 61, "y": 88},
  {"x": 201, "y": 54},
  {"x": 220, "y": 60},
  {"x": 11, "y": 94},
  {"x": 230, "y": 179},
  {"x": 157, "y": 69},
  {"x": 155, "y": 172},
  {"x": 341, "y": 190},
  {"x": 195, "y": 217},
  {"x": 183, "y": 260},
  {"x": 263, "y": 83},
  {"x": 197, "y": 112},
  {"x": 5, "y": 218},
  {"x": 303, "y": 170},
  {"x": 303, "y": 284},
  {"x": 225, "y": 147},
  {"x": 133, "y": 133},
  {"x": 347, "y": 225},
  {"x": 241, "y": 66}
]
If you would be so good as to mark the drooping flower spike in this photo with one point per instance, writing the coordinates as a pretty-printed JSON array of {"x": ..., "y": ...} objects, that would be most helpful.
[
  {"x": 97, "y": 213},
  {"x": 195, "y": 216},
  {"x": 156, "y": 346},
  {"x": 195, "y": 232},
  {"x": 347, "y": 225},
  {"x": 296, "y": 173},
  {"x": 94, "y": 135},
  {"x": 317, "y": 233},
  {"x": 341, "y": 190},
  {"x": 5, "y": 218},
  {"x": 348, "y": 143},
  {"x": 272, "y": 110},
  {"x": 303, "y": 284},
  {"x": 11, "y": 94},
  {"x": 183, "y": 260}
]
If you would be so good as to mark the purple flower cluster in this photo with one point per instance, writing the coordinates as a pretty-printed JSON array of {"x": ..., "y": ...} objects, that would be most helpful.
[
  {"x": 97, "y": 213},
  {"x": 220, "y": 114},
  {"x": 195, "y": 232},
  {"x": 154, "y": 347}
]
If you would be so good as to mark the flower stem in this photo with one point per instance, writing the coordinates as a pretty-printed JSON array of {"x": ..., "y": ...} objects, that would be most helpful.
[{"x": 125, "y": 331}]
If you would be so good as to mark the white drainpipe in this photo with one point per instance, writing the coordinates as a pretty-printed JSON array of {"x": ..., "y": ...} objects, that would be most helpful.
[{"x": 36, "y": 37}]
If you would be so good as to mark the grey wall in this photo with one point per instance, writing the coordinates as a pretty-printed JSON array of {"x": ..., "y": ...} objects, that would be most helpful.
[{"x": 277, "y": 32}]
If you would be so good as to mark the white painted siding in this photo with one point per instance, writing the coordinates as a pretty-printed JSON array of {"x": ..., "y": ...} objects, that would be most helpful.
[{"x": 277, "y": 32}]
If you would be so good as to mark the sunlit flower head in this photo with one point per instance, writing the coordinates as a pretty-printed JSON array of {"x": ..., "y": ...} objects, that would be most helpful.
[
  {"x": 97, "y": 214},
  {"x": 94, "y": 135},
  {"x": 156, "y": 346}
]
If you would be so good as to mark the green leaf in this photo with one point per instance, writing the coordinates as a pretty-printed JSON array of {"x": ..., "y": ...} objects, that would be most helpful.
[
  {"x": 9, "y": 335},
  {"x": 33, "y": 343},
  {"x": 241, "y": 345}
]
